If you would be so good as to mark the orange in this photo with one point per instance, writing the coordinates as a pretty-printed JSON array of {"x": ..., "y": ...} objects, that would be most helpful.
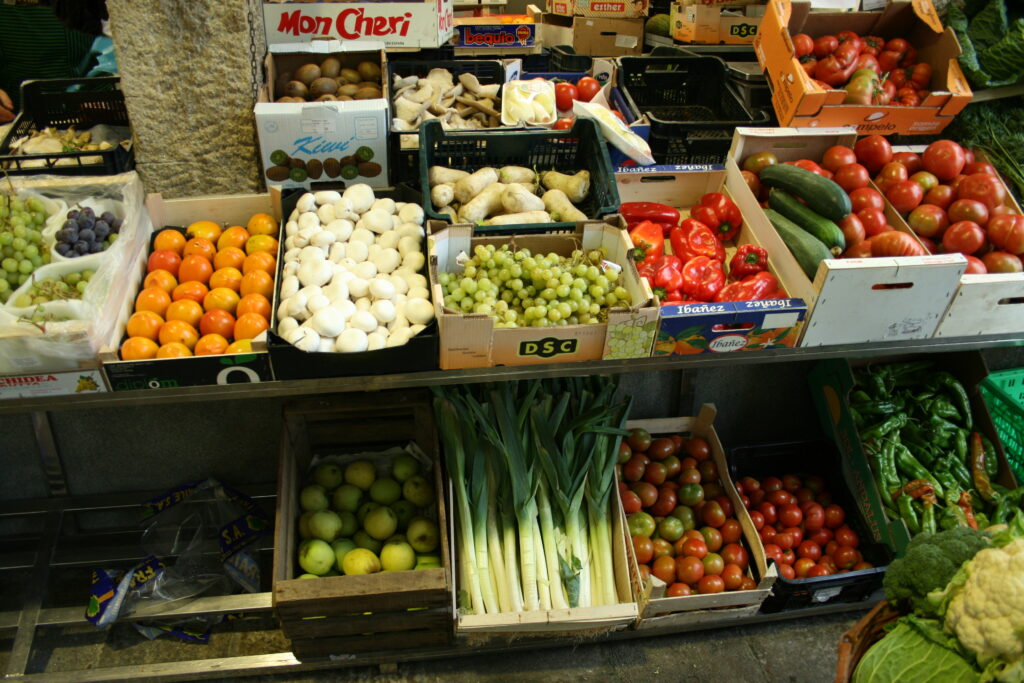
[
  {"x": 138, "y": 348},
  {"x": 186, "y": 310},
  {"x": 217, "y": 322},
  {"x": 178, "y": 331},
  {"x": 229, "y": 257},
  {"x": 164, "y": 259},
  {"x": 190, "y": 290},
  {"x": 261, "y": 243},
  {"x": 249, "y": 325},
  {"x": 257, "y": 282},
  {"x": 144, "y": 324},
  {"x": 261, "y": 260},
  {"x": 200, "y": 246},
  {"x": 254, "y": 303},
  {"x": 153, "y": 299},
  {"x": 173, "y": 350},
  {"x": 206, "y": 229},
  {"x": 162, "y": 279},
  {"x": 263, "y": 224},
  {"x": 223, "y": 298},
  {"x": 195, "y": 267},
  {"x": 226, "y": 277},
  {"x": 235, "y": 236},
  {"x": 240, "y": 346},
  {"x": 171, "y": 240},
  {"x": 211, "y": 345}
]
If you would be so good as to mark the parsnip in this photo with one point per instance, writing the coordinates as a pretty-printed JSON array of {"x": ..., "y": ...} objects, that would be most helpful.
[
  {"x": 470, "y": 186},
  {"x": 442, "y": 195},
  {"x": 518, "y": 199},
  {"x": 485, "y": 204},
  {"x": 561, "y": 209},
  {"x": 516, "y": 218},
  {"x": 517, "y": 174},
  {"x": 450, "y": 212},
  {"x": 440, "y": 174},
  {"x": 576, "y": 187}
]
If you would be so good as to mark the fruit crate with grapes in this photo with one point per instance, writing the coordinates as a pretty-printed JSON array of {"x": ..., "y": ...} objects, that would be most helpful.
[
  {"x": 147, "y": 366},
  {"x": 503, "y": 322},
  {"x": 377, "y": 611}
]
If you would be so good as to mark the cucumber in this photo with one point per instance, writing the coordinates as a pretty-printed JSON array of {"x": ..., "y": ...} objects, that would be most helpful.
[
  {"x": 808, "y": 250},
  {"x": 821, "y": 194},
  {"x": 818, "y": 226}
]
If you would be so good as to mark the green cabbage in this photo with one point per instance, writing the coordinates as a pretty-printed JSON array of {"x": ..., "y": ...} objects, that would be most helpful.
[
  {"x": 991, "y": 38},
  {"x": 915, "y": 650}
]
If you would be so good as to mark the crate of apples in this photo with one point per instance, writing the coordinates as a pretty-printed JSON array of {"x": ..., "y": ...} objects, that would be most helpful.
[{"x": 207, "y": 291}]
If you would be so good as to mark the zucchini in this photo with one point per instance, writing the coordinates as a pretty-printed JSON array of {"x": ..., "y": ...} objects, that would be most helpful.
[
  {"x": 820, "y": 193},
  {"x": 808, "y": 250},
  {"x": 818, "y": 226}
]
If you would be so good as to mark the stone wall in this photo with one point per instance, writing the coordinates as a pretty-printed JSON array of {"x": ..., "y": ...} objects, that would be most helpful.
[{"x": 190, "y": 71}]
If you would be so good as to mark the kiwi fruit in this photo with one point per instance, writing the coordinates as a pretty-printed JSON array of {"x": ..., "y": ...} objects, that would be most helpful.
[
  {"x": 296, "y": 89},
  {"x": 278, "y": 173},
  {"x": 332, "y": 167},
  {"x": 368, "y": 84},
  {"x": 349, "y": 89},
  {"x": 325, "y": 98},
  {"x": 323, "y": 86},
  {"x": 343, "y": 98},
  {"x": 369, "y": 71},
  {"x": 367, "y": 93},
  {"x": 330, "y": 67},
  {"x": 298, "y": 175},
  {"x": 307, "y": 73},
  {"x": 351, "y": 75},
  {"x": 297, "y": 163},
  {"x": 368, "y": 169},
  {"x": 349, "y": 160},
  {"x": 314, "y": 168},
  {"x": 282, "y": 80},
  {"x": 279, "y": 157}
]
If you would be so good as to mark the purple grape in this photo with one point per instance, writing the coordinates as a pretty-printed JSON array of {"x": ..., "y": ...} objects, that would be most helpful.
[
  {"x": 87, "y": 211},
  {"x": 63, "y": 248},
  {"x": 116, "y": 225},
  {"x": 107, "y": 217},
  {"x": 86, "y": 222},
  {"x": 69, "y": 235},
  {"x": 102, "y": 229},
  {"x": 95, "y": 248},
  {"x": 87, "y": 235},
  {"x": 73, "y": 213},
  {"x": 71, "y": 224},
  {"x": 81, "y": 247}
]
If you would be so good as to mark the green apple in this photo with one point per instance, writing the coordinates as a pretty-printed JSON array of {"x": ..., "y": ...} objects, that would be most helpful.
[
  {"x": 328, "y": 475},
  {"x": 404, "y": 467},
  {"x": 308, "y": 576},
  {"x": 341, "y": 548},
  {"x": 313, "y": 498},
  {"x": 397, "y": 556},
  {"x": 360, "y": 473},
  {"x": 423, "y": 535},
  {"x": 418, "y": 491},
  {"x": 365, "y": 509},
  {"x": 385, "y": 491},
  {"x": 315, "y": 556},
  {"x": 405, "y": 511},
  {"x": 428, "y": 562},
  {"x": 325, "y": 525},
  {"x": 381, "y": 523},
  {"x": 347, "y": 497},
  {"x": 365, "y": 540},
  {"x": 304, "y": 531},
  {"x": 360, "y": 561},
  {"x": 349, "y": 523}
]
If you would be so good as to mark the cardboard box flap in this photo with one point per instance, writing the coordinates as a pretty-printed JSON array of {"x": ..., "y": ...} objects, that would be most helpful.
[{"x": 323, "y": 46}]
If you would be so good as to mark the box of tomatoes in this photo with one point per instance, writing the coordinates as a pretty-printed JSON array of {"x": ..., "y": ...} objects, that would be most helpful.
[
  {"x": 698, "y": 564},
  {"x": 205, "y": 294}
]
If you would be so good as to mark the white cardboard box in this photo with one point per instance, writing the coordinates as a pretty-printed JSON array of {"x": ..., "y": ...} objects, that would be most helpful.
[
  {"x": 89, "y": 380},
  {"x": 323, "y": 130},
  {"x": 410, "y": 25}
]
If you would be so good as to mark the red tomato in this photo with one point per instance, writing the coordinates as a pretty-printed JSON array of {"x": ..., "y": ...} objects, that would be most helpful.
[
  {"x": 634, "y": 469},
  {"x": 796, "y": 532},
  {"x": 891, "y": 243},
  {"x": 955, "y": 182},
  {"x": 587, "y": 87},
  {"x": 804, "y": 495},
  {"x": 905, "y": 195},
  {"x": 852, "y": 177},
  {"x": 928, "y": 220},
  {"x": 809, "y": 549},
  {"x": 929, "y": 244},
  {"x": 807, "y": 165},
  {"x": 944, "y": 158},
  {"x": 791, "y": 482},
  {"x": 803, "y": 45},
  {"x": 853, "y": 233},
  {"x": 862, "y": 565},
  {"x": 860, "y": 250},
  {"x": 787, "y": 572},
  {"x": 940, "y": 195},
  {"x": 802, "y": 566},
  {"x": 713, "y": 564},
  {"x": 689, "y": 569},
  {"x": 909, "y": 159},
  {"x": 563, "y": 123},
  {"x": 732, "y": 577},
  {"x": 631, "y": 502},
  {"x": 823, "y": 535},
  {"x": 974, "y": 266},
  {"x": 873, "y": 152},
  {"x": 987, "y": 189},
  {"x": 965, "y": 237},
  {"x": 925, "y": 179},
  {"x": 891, "y": 173},
  {"x": 655, "y": 473},
  {"x": 769, "y": 512},
  {"x": 708, "y": 472},
  {"x": 694, "y": 548},
  {"x": 710, "y": 584},
  {"x": 845, "y": 557},
  {"x": 736, "y": 554},
  {"x": 1001, "y": 262},
  {"x": 712, "y": 537},
  {"x": 847, "y": 536},
  {"x": 773, "y": 552},
  {"x": 648, "y": 493},
  {"x": 784, "y": 540},
  {"x": 678, "y": 590},
  {"x": 788, "y": 557},
  {"x": 819, "y": 570},
  {"x": 622, "y": 117},
  {"x": 867, "y": 198},
  {"x": 752, "y": 181},
  {"x": 866, "y": 61},
  {"x": 748, "y": 584},
  {"x": 665, "y": 569},
  {"x": 731, "y": 531},
  {"x": 771, "y": 484},
  {"x": 838, "y": 156},
  {"x": 968, "y": 210},
  {"x": 1006, "y": 232},
  {"x": 814, "y": 517},
  {"x": 874, "y": 221},
  {"x": 757, "y": 519},
  {"x": 824, "y": 46},
  {"x": 834, "y": 515},
  {"x": 665, "y": 503},
  {"x": 565, "y": 94},
  {"x": 698, "y": 449},
  {"x": 781, "y": 498},
  {"x": 767, "y": 533},
  {"x": 791, "y": 515},
  {"x": 645, "y": 572},
  {"x": 643, "y": 548},
  {"x": 750, "y": 484},
  {"x": 979, "y": 167}
]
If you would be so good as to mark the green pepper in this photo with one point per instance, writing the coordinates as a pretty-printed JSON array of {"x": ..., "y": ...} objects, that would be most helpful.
[
  {"x": 879, "y": 408},
  {"x": 948, "y": 518},
  {"x": 858, "y": 419},
  {"x": 908, "y": 514},
  {"x": 945, "y": 380},
  {"x": 941, "y": 407},
  {"x": 979, "y": 473},
  {"x": 874, "y": 456},
  {"x": 991, "y": 458},
  {"x": 860, "y": 396},
  {"x": 908, "y": 369},
  {"x": 890, "y": 424},
  {"x": 961, "y": 445},
  {"x": 960, "y": 471},
  {"x": 908, "y": 464},
  {"x": 1001, "y": 515},
  {"x": 941, "y": 471},
  {"x": 876, "y": 383},
  {"x": 890, "y": 476},
  {"x": 928, "y": 516}
]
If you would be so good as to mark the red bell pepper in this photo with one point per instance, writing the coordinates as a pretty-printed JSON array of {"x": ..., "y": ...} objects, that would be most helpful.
[
  {"x": 749, "y": 259},
  {"x": 693, "y": 238},
  {"x": 719, "y": 213},
  {"x": 668, "y": 277},
  {"x": 638, "y": 212},
  {"x": 649, "y": 241},
  {"x": 703, "y": 278},
  {"x": 755, "y": 287}
]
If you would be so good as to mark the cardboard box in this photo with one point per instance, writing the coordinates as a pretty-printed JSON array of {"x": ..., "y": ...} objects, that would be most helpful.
[
  {"x": 472, "y": 341},
  {"x": 617, "y": 9},
  {"x": 594, "y": 36},
  {"x": 717, "y": 25},
  {"x": 409, "y": 25},
  {"x": 800, "y": 103},
  {"x": 321, "y": 131},
  {"x": 88, "y": 380},
  {"x": 126, "y": 375},
  {"x": 495, "y": 31},
  {"x": 851, "y": 300},
  {"x": 712, "y": 327}
]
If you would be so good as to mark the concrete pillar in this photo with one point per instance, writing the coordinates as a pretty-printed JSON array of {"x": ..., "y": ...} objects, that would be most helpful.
[{"x": 190, "y": 72}]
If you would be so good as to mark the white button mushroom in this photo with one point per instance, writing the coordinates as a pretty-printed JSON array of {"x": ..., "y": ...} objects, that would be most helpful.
[
  {"x": 341, "y": 229},
  {"x": 337, "y": 290},
  {"x": 328, "y": 321},
  {"x": 388, "y": 240},
  {"x": 416, "y": 329},
  {"x": 343, "y": 274},
  {"x": 363, "y": 304},
  {"x": 381, "y": 288},
  {"x": 365, "y": 270},
  {"x": 375, "y": 341},
  {"x": 289, "y": 285},
  {"x": 293, "y": 215},
  {"x": 317, "y": 302},
  {"x": 395, "y": 222},
  {"x": 387, "y": 261},
  {"x": 357, "y": 251},
  {"x": 323, "y": 240},
  {"x": 292, "y": 254},
  {"x": 326, "y": 345},
  {"x": 419, "y": 311},
  {"x": 360, "y": 197},
  {"x": 401, "y": 286},
  {"x": 316, "y": 272},
  {"x": 360, "y": 234},
  {"x": 358, "y": 287},
  {"x": 290, "y": 268},
  {"x": 352, "y": 340},
  {"x": 346, "y": 307},
  {"x": 363, "y": 320},
  {"x": 398, "y": 337},
  {"x": 399, "y": 322},
  {"x": 308, "y": 220},
  {"x": 311, "y": 253},
  {"x": 289, "y": 242},
  {"x": 411, "y": 213},
  {"x": 311, "y": 290},
  {"x": 327, "y": 196},
  {"x": 408, "y": 245},
  {"x": 343, "y": 210},
  {"x": 286, "y": 325},
  {"x": 411, "y": 230},
  {"x": 418, "y": 293},
  {"x": 385, "y": 204},
  {"x": 383, "y": 310},
  {"x": 291, "y": 227},
  {"x": 381, "y": 330},
  {"x": 308, "y": 339},
  {"x": 416, "y": 280},
  {"x": 307, "y": 202},
  {"x": 326, "y": 213},
  {"x": 336, "y": 252},
  {"x": 414, "y": 261}
]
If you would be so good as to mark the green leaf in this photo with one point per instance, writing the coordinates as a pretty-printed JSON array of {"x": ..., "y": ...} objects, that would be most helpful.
[
  {"x": 989, "y": 25},
  {"x": 906, "y": 653}
]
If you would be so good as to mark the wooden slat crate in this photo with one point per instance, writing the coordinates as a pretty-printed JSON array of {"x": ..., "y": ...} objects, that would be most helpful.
[{"x": 339, "y": 615}]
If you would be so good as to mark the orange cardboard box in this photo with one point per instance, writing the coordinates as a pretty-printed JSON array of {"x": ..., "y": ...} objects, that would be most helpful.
[
  {"x": 714, "y": 24},
  {"x": 800, "y": 103}
]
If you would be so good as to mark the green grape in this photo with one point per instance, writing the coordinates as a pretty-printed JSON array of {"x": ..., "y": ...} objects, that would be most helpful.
[
  {"x": 25, "y": 266},
  {"x": 81, "y": 286},
  {"x": 23, "y": 301},
  {"x": 19, "y": 234},
  {"x": 5, "y": 286},
  {"x": 6, "y": 238},
  {"x": 10, "y": 265}
]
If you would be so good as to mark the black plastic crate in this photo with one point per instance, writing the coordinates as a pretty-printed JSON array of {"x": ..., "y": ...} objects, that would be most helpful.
[
  {"x": 564, "y": 58},
  {"x": 815, "y": 458},
  {"x": 692, "y": 110},
  {"x": 582, "y": 147},
  {"x": 46, "y": 103},
  {"x": 420, "y": 353},
  {"x": 405, "y": 163}
]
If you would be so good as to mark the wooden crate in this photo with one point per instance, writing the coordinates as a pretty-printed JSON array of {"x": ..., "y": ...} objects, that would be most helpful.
[
  {"x": 695, "y": 609},
  {"x": 340, "y": 615}
]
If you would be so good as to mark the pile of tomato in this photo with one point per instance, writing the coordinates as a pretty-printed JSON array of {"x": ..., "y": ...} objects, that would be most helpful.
[
  {"x": 801, "y": 528},
  {"x": 682, "y": 523},
  {"x": 566, "y": 93}
]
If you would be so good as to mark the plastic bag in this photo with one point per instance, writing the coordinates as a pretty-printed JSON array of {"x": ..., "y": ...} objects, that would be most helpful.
[
  {"x": 197, "y": 539},
  {"x": 528, "y": 102},
  {"x": 615, "y": 131}
]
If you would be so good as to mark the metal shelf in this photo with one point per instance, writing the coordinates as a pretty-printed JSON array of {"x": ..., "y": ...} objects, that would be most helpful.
[{"x": 331, "y": 385}]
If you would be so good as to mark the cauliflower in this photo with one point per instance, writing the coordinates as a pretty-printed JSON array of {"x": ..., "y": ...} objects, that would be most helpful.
[{"x": 984, "y": 606}]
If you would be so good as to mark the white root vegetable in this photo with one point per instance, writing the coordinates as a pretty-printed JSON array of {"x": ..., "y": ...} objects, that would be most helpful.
[
  {"x": 576, "y": 187},
  {"x": 438, "y": 175},
  {"x": 517, "y": 174},
  {"x": 450, "y": 212},
  {"x": 485, "y": 203},
  {"x": 443, "y": 194},
  {"x": 517, "y": 199},
  {"x": 561, "y": 209},
  {"x": 469, "y": 187},
  {"x": 517, "y": 218}
]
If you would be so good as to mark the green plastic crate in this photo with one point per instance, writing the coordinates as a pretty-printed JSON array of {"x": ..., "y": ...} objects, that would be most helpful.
[{"x": 1004, "y": 394}]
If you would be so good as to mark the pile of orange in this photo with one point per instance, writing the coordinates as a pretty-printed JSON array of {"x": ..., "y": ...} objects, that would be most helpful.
[{"x": 206, "y": 292}]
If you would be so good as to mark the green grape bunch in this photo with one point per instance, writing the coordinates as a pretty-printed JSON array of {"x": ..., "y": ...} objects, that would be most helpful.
[
  {"x": 21, "y": 241},
  {"x": 629, "y": 340},
  {"x": 45, "y": 290},
  {"x": 520, "y": 289}
]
